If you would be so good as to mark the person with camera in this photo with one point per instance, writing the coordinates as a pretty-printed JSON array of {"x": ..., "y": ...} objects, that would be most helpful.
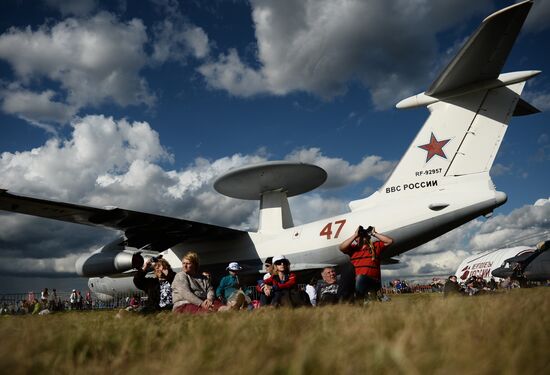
[
  {"x": 158, "y": 288},
  {"x": 365, "y": 257}
]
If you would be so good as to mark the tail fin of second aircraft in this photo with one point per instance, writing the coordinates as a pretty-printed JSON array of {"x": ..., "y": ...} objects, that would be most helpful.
[{"x": 470, "y": 105}]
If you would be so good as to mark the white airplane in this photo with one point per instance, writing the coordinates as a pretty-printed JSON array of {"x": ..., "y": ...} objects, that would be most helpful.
[
  {"x": 441, "y": 182},
  {"x": 524, "y": 263}
]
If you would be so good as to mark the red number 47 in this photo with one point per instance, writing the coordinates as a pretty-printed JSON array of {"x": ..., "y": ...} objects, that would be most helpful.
[{"x": 327, "y": 230}]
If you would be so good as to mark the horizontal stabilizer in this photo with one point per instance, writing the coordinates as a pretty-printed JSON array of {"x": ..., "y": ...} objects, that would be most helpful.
[
  {"x": 484, "y": 54},
  {"x": 523, "y": 108}
]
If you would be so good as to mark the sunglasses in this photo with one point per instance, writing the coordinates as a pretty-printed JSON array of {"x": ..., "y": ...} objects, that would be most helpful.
[{"x": 281, "y": 262}]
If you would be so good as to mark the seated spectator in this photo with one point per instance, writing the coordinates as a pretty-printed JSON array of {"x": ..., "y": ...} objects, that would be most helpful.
[
  {"x": 133, "y": 304},
  {"x": 192, "y": 292},
  {"x": 452, "y": 287},
  {"x": 328, "y": 290},
  {"x": 436, "y": 285},
  {"x": 158, "y": 288},
  {"x": 230, "y": 291},
  {"x": 88, "y": 300},
  {"x": 471, "y": 286},
  {"x": 79, "y": 300},
  {"x": 229, "y": 284},
  {"x": 72, "y": 299},
  {"x": 311, "y": 291},
  {"x": 262, "y": 288},
  {"x": 284, "y": 290},
  {"x": 44, "y": 296},
  {"x": 52, "y": 300},
  {"x": 492, "y": 284},
  {"x": 479, "y": 283},
  {"x": 36, "y": 307},
  {"x": 405, "y": 288}
]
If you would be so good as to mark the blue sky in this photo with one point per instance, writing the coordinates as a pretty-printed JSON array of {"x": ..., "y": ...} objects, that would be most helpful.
[{"x": 143, "y": 104}]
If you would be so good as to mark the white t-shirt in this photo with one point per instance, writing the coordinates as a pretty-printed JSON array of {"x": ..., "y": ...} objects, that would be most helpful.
[{"x": 310, "y": 290}]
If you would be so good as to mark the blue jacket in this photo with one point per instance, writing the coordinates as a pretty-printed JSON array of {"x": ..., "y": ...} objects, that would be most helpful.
[{"x": 228, "y": 285}]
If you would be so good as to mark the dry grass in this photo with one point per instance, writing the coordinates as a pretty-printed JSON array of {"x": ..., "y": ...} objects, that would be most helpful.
[{"x": 506, "y": 333}]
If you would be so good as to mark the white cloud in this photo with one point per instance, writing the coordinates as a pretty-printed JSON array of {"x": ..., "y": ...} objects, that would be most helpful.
[
  {"x": 174, "y": 41},
  {"x": 93, "y": 60},
  {"x": 504, "y": 230},
  {"x": 68, "y": 169},
  {"x": 174, "y": 38},
  {"x": 321, "y": 46},
  {"x": 311, "y": 207},
  {"x": 39, "y": 109},
  {"x": 500, "y": 169},
  {"x": 341, "y": 172},
  {"x": 523, "y": 226},
  {"x": 231, "y": 74}
]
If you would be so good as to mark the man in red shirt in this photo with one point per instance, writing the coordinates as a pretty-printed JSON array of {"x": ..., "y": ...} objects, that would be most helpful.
[{"x": 365, "y": 257}]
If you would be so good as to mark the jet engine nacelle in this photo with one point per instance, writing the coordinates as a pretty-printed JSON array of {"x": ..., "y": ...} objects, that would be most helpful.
[
  {"x": 104, "y": 263},
  {"x": 112, "y": 259}
]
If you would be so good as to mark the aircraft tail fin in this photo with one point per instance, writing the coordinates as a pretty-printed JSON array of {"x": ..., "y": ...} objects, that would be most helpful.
[
  {"x": 461, "y": 136},
  {"x": 470, "y": 105}
]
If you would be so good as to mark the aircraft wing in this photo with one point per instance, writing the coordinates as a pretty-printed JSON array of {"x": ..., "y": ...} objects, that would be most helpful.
[
  {"x": 484, "y": 54},
  {"x": 140, "y": 228}
]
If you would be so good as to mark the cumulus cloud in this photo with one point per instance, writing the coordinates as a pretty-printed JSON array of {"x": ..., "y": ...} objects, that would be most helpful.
[
  {"x": 92, "y": 60},
  {"x": 311, "y": 207},
  {"x": 503, "y": 230},
  {"x": 174, "y": 38},
  {"x": 523, "y": 226},
  {"x": 231, "y": 74},
  {"x": 174, "y": 41},
  {"x": 321, "y": 46},
  {"x": 341, "y": 172},
  {"x": 500, "y": 169},
  {"x": 67, "y": 169},
  {"x": 38, "y": 108}
]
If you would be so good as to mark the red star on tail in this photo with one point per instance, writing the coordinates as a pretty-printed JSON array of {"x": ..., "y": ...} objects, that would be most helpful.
[{"x": 435, "y": 147}]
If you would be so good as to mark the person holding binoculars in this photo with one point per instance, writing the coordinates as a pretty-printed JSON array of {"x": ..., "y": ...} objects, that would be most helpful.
[{"x": 364, "y": 248}]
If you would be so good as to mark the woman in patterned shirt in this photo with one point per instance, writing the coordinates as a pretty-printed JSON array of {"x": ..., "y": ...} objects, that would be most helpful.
[{"x": 159, "y": 288}]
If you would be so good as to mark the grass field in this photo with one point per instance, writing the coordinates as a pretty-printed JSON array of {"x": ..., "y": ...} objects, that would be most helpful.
[{"x": 505, "y": 333}]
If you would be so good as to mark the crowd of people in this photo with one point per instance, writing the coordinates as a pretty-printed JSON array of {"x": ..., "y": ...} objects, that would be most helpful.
[
  {"x": 48, "y": 302},
  {"x": 476, "y": 285},
  {"x": 191, "y": 291}
]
